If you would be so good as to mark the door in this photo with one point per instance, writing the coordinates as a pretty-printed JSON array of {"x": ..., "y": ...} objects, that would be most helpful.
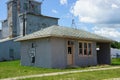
[{"x": 70, "y": 55}]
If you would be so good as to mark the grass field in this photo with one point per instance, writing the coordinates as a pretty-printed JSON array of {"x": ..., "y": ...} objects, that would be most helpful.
[
  {"x": 116, "y": 61},
  {"x": 13, "y": 69},
  {"x": 95, "y": 75}
]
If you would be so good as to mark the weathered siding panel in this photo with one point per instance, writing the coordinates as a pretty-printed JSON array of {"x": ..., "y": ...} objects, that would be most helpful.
[
  {"x": 25, "y": 57},
  {"x": 59, "y": 53},
  {"x": 35, "y": 23},
  {"x": 42, "y": 55},
  {"x": 5, "y": 29}
]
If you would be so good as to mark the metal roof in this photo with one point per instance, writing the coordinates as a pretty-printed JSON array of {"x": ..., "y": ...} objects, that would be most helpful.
[{"x": 64, "y": 32}]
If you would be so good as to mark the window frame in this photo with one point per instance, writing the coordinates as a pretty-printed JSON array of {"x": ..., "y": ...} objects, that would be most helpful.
[
  {"x": 83, "y": 47},
  {"x": 80, "y": 48}
]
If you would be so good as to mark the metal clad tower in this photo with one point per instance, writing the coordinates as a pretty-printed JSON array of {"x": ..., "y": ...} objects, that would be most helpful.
[
  {"x": 12, "y": 17},
  {"x": 17, "y": 7}
]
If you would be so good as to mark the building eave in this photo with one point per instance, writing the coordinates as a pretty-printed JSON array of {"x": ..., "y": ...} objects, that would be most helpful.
[{"x": 67, "y": 37}]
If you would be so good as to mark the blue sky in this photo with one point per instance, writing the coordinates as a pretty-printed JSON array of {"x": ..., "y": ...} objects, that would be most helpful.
[{"x": 101, "y": 17}]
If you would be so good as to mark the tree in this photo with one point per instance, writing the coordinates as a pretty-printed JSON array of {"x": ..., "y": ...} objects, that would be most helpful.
[{"x": 115, "y": 45}]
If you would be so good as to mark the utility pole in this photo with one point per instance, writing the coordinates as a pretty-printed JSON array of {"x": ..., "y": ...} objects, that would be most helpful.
[{"x": 73, "y": 24}]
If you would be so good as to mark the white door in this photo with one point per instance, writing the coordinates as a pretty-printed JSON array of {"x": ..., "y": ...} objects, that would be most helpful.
[{"x": 70, "y": 55}]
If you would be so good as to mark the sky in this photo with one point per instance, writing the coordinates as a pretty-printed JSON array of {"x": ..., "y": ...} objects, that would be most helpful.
[{"x": 101, "y": 17}]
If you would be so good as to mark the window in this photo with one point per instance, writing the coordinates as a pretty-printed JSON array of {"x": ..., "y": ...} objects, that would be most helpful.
[
  {"x": 70, "y": 42},
  {"x": 89, "y": 49},
  {"x": 85, "y": 48},
  {"x": 69, "y": 50},
  {"x": 80, "y": 49}
]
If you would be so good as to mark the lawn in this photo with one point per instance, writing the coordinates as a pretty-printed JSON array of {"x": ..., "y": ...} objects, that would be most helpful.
[
  {"x": 95, "y": 75},
  {"x": 13, "y": 69},
  {"x": 116, "y": 61}
]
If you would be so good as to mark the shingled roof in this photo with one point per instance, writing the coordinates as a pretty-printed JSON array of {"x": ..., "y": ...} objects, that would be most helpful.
[{"x": 64, "y": 32}]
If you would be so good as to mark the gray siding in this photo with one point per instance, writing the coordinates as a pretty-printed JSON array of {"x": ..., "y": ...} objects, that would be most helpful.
[
  {"x": 42, "y": 55},
  {"x": 12, "y": 19},
  {"x": 35, "y": 23},
  {"x": 5, "y": 48},
  {"x": 37, "y": 6},
  {"x": 5, "y": 29},
  {"x": 59, "y": 53},
  {"x": 52, "y": 53}
]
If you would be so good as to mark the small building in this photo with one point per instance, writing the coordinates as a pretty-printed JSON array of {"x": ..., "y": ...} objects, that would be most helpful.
[
  {"x": 115, "y": 53},
  {"x": 59, "y": 47},
  {"x": 9, "y": 49}
]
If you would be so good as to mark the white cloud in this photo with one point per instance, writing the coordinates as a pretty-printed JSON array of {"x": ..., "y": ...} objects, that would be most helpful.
[
  {"x": 54, "y": 11},
  {"x": 87, "y": 19},
  {"x": 114, "y": 6},
  {"x": 63, "y": 2},
  {"x": 97, "y": 11},
  {"x": 107, "y": 31}
]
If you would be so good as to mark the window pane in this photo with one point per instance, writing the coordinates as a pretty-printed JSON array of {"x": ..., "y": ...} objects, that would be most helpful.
[
  {"x": 69, "y": 50},
  {"x": 89, "y": 45},
  {"x": 68, "y": 42},
  {"x": 85, "y": 51},
  {"x": 89, "y": 49},
  {"x": 89, "y": 53},
  {"x": 85, "y": 45},
  {"x": 80, "y": 52},
  {"x": 85, "y": 48},
  {"x": 80, "y": 45}
]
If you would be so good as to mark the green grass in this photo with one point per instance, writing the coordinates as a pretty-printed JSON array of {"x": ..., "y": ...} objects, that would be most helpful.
[
  {"x": 116, "y": 61},
  {"x": 95, "y": 75},
  {"x": 14, "y": 69}
]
